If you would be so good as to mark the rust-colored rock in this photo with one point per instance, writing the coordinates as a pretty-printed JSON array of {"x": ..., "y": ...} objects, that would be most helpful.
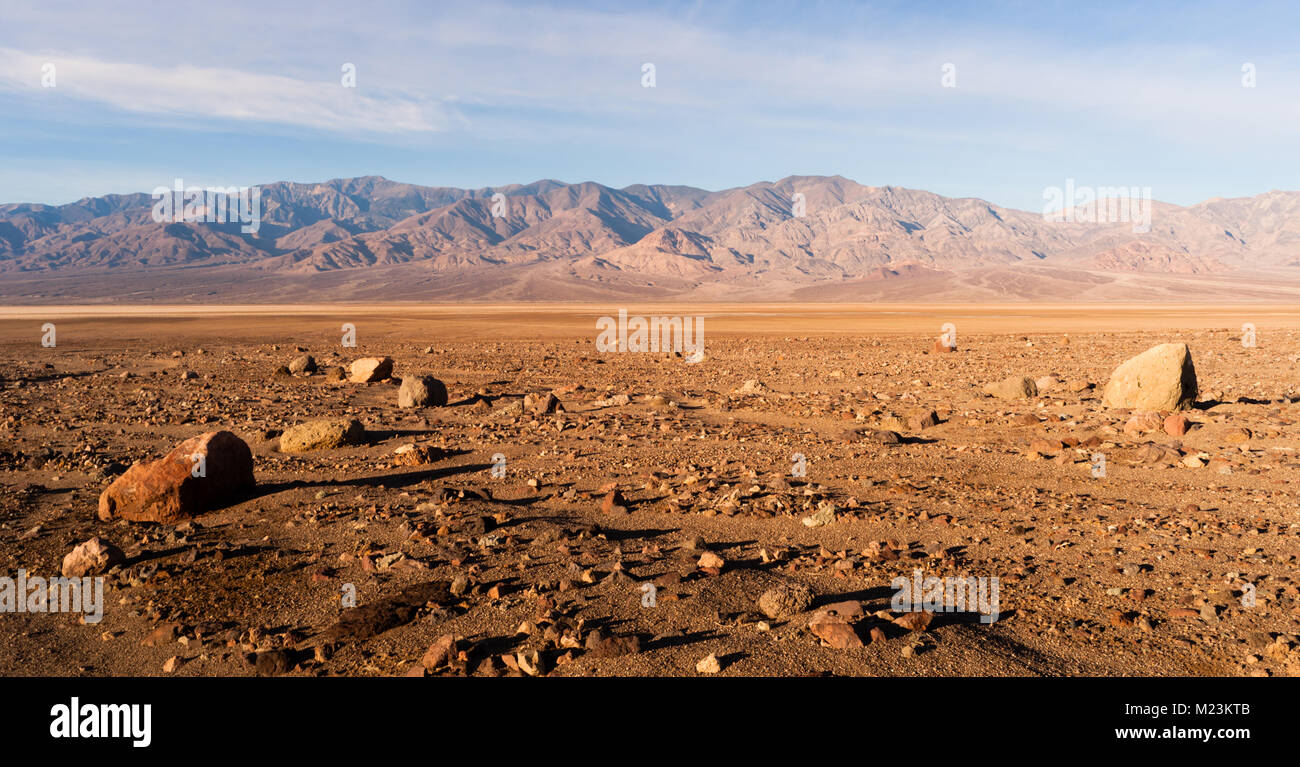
[
  {"x": 178, "y": 485},
  {"x": 914, "y": 621},
  {"x": 834, "y": 630}
]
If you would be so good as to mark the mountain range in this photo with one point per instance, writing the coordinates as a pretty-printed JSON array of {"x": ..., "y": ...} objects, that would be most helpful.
[{"x": 803, "y": 238}]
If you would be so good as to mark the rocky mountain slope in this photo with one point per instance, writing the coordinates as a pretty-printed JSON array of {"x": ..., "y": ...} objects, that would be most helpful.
[{"x": 803, "y": 236}]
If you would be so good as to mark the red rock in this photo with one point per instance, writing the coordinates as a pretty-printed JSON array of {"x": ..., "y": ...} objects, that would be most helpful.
[
  {"x": 166, "y": 490},
  {"x": 834, "y": 631},
  {"x": 914, "y": 621},
  {"x": 163, "y": 635},
  {"x": 1047, "y": 446},
  {"x": 848, "y": 610},
  {"x": 613, "y": 503},
  {"x": 441, "y": 651},
  {"x": 941, "y": 348},
  {"x": 1176, "y": 425}
]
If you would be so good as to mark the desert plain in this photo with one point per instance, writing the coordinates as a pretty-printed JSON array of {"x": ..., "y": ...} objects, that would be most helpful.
[{"x": 573, "y": 512}]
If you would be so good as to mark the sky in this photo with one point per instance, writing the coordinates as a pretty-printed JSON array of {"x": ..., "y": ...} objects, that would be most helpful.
[{"x": 1152, "y": 94}]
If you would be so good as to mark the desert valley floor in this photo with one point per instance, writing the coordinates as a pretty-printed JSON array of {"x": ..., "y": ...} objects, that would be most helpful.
[{"x": 1143, "y": 571}]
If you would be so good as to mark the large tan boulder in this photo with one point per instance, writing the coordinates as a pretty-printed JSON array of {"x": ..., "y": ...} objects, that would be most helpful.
[
  {"x": 421, "y": 391},
  {"x": 370, "y": 369},
  {"x": 198, "y": 474},
  {"x": 1160, "y": 378},
  {"x": 324, "y": 434}
]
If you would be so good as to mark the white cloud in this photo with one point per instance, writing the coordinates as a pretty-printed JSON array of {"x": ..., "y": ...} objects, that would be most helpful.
[{"x": 211, "y": 93}]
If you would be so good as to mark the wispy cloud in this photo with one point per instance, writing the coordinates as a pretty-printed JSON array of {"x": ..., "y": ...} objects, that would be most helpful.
[{"x": 222, "y": 94}]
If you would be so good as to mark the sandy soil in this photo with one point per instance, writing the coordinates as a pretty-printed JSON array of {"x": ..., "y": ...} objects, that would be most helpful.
[{"x": 1140, "y": 572}]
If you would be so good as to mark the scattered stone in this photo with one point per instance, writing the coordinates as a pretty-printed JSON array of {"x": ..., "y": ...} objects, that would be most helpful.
[
  {"x": 613, "y": 503},
  {"x": 923, "y": 420},
  {"x": 601, "y": 646},
  {"x": 273, "y": 662},
  {"x": 709, "y": 665},
  {"x": 542, "y": 404},
  {"x": 1014, "y": 387},
  {"x": 441, "y": 651},
  {"x": 711, "y": 561},
  {"x": 418, "y": 455},
  {"x": 1141, "y": 423},
  {"x": 824, "y": 515},
  {"x": 873, "y": 436}
]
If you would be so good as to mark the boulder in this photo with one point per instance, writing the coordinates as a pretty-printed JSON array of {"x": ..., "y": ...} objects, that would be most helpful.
[
  {"x": 168, "y": 489},
  {"x": 1014, "y": 387},
  {"x": 322, "y": 435},
  {"x": 303, "y": 365},
  {"x": 1160, "y": 378},
  {"x": 368, "y": 369},
  {"x": 421, "y": 391},
  {"x": 780, "y": 602},
  {"x": 93, "y": 557}
]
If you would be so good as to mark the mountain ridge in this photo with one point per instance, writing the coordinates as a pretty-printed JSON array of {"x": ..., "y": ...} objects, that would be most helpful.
[{"x": 799, "y": 235}]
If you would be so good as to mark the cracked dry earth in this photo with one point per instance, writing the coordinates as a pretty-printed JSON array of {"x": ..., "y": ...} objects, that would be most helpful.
[{"x": 456, "y": 571}]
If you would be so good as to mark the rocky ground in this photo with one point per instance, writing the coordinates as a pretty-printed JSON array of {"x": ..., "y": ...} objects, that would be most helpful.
[{"x": 511, "y": 532}]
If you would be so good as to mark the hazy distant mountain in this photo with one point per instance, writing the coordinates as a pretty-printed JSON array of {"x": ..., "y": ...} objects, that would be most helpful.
[{"x": 812, "y": 237}]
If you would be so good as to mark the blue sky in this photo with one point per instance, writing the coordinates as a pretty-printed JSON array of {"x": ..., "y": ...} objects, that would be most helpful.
[{"x": 484, "y": 94}]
